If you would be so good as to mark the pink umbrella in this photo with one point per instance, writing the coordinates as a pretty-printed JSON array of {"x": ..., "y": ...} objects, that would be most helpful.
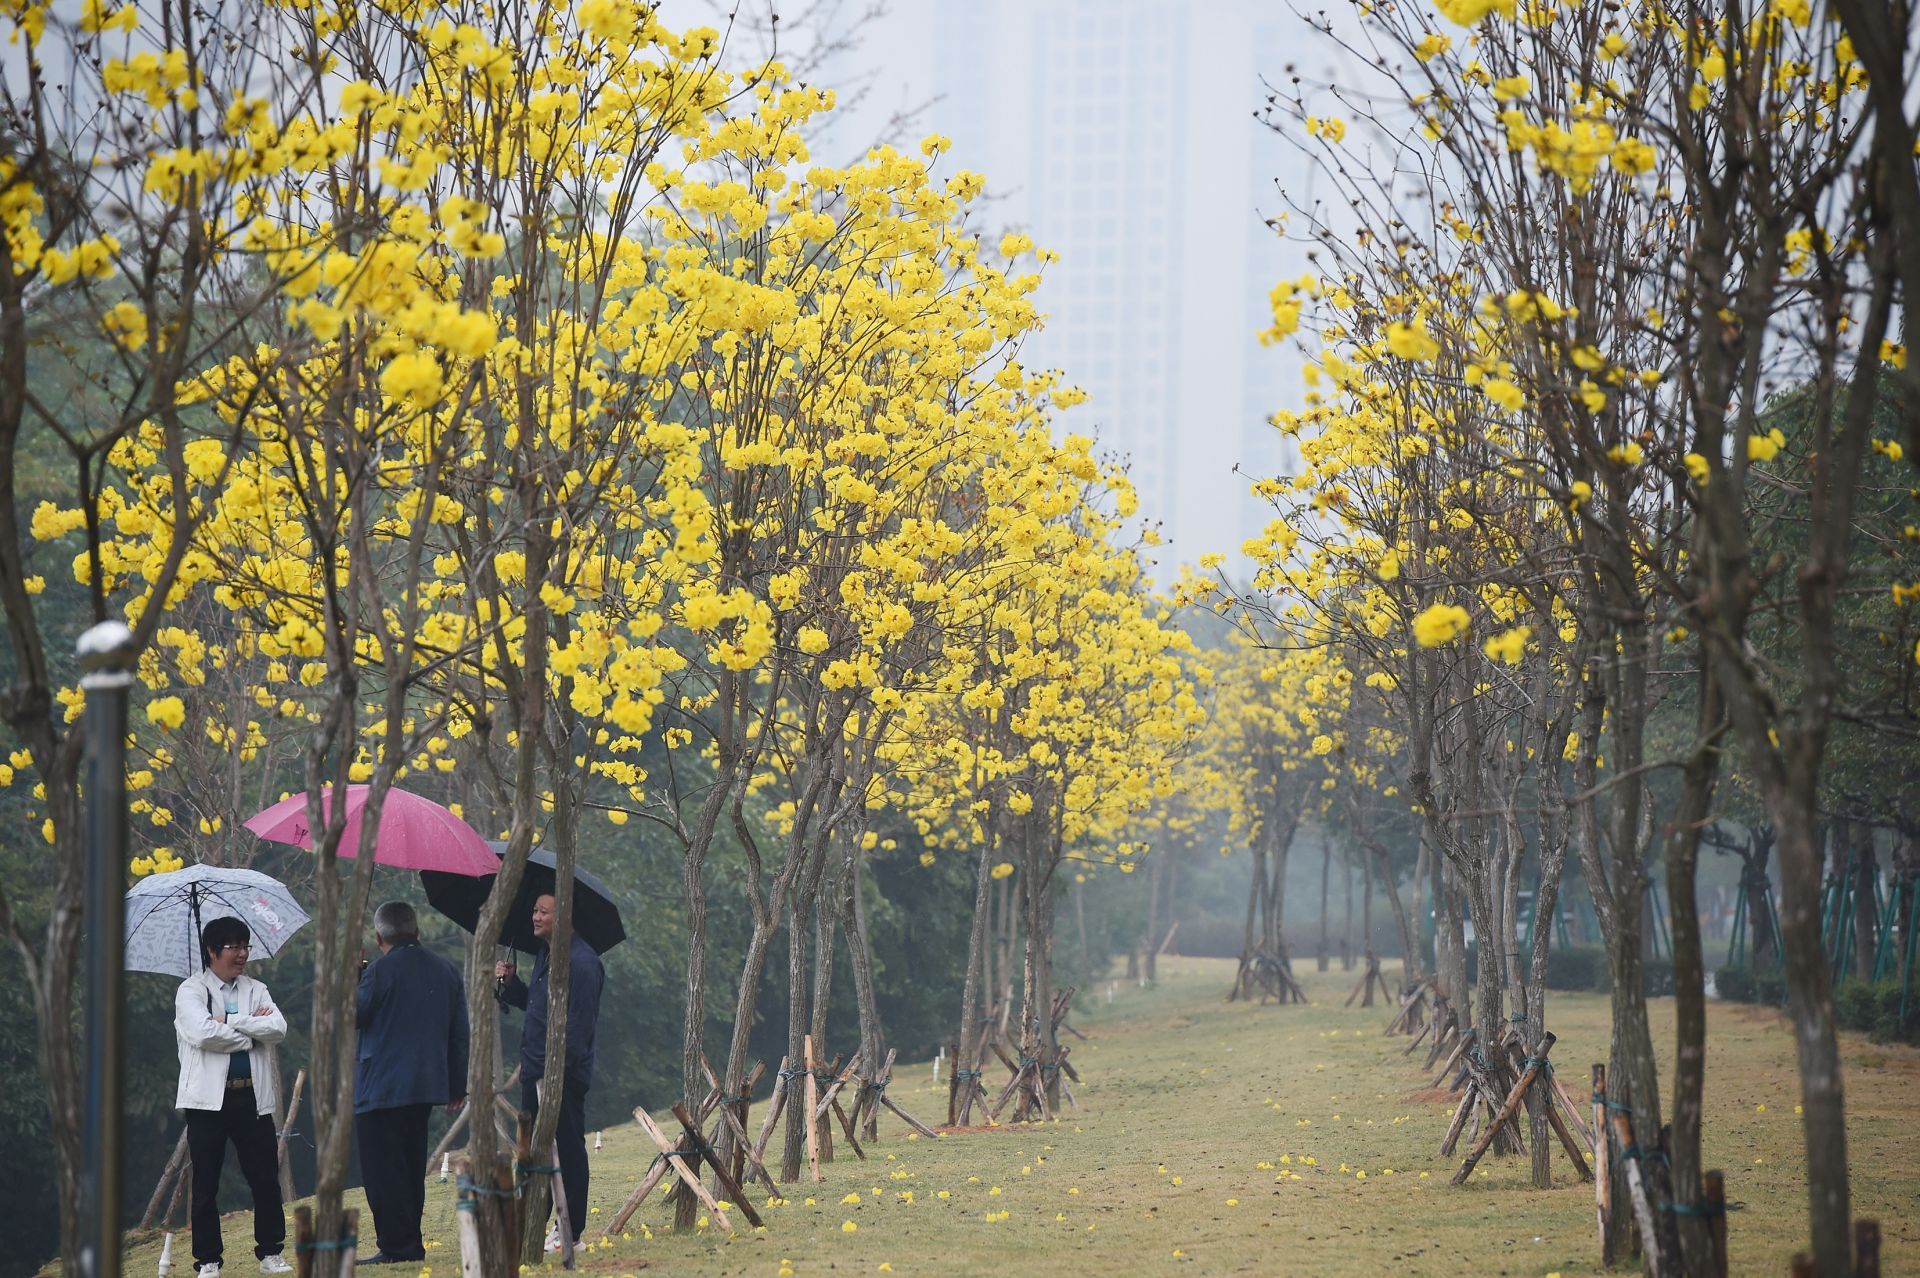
[{"x": 415, "y": 833}]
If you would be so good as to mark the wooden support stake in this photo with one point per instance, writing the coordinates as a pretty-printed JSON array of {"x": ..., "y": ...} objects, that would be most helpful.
[
  {"x": 776, "y": 1103},
  {"x": 728, "y": 1185},
  {"x": 846, "y": 1125},
  {"x": 1602, "y": 1177},
  {"x": 1413, "y": 998},
  {"x": 1575, "y": 1153},
  {"x": 284, "y": 1163},
  {"x": 349, "y": 1256},
  {"x": 1866, "y": 1249},
  {"x": 746, "y": 1161},
  {"x": 654, "y": 1175},
  {"x": 303, "y": 1242},
  {"x": 1417, "y": 1039},
  {"x": 1459, "y": 1050},
  {"x": 688, "y": 1177},
  {"x": 1507, "y": 1111},
  {"x": 1714, "y": 1185},
  {"x": 828, "y": 1097},
  {"x": 1622, "y": 1128},
  {"x": 175, "y": 1163},
  {"x": 1013, "y": 1084},
  {"x": 909, "y": 1119},
  {"x": 1573, "y": 1111},
  {"x": 467, "y": 1224},
  {"x": 1460, "y": 1114},
  {"x": 812, "y": 1093},
  {"x": 460, "y": 1121},
  {"x": 558, "y": 1192}
]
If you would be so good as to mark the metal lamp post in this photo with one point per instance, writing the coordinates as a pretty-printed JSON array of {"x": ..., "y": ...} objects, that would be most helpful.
[{"x": 106, "y": 661}]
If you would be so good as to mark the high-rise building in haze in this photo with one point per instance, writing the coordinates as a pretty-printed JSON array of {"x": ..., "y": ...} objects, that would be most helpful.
[{"x": 1122, "y": 133}]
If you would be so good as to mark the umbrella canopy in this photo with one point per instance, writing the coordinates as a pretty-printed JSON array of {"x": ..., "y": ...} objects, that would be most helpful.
[
  {"x": 595, "y": 916},
  {"x": 415, "y": 833},
  {"x": 166, "y": 911}
]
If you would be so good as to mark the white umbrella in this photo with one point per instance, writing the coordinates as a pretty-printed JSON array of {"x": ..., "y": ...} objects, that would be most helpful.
[{"x": 166, "y": 911}]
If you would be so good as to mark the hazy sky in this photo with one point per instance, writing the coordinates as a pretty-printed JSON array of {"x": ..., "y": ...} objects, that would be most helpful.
[{"x": 1121, "y": 133}]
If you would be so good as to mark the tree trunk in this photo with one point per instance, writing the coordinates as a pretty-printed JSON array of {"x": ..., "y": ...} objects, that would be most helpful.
[
  {"x": 971, "y": 1026},
  {"x": 1346, "y": 926},
  {"x": 1822, "y": 1091},
  {"x": 873, "y": 1049},
  {"x": 1689, "y": 981},
  {"x": 1326, "y": 868},
  {"x": 1866, "y": 872},
  {"x": 1150, "y": 942},
  {"x": 537, "y": 1192}
]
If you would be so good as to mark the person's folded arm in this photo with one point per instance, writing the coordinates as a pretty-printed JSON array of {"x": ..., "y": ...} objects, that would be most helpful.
[
  {"x": 262, "y": 1027},
  {"x": 193, "y": 1020}
]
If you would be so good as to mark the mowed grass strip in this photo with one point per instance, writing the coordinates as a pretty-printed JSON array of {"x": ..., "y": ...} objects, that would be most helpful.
[{"x": 1234, "y": 1138}]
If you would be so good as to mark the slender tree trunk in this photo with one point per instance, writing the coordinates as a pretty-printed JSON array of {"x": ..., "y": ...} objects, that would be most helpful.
[
  {"x": 971, "y": 1022},
  {"x": 1866, "y": 872},
  {"x": 1326, "y": 869},
  {"x": 562, "y": 831},
  {"x": 1346, "y": 925},
  {"x": 794, "y": 1144},
  {"x": 1817, "y": 1045},
  {"x": 1150, "y": 943},
  {"x": 873, "y": 1046},
  {"x": 1689, "y": 981},
  {"x": 1080, "y": 923}
]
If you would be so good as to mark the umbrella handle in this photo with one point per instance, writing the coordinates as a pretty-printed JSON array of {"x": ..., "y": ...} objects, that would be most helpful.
[{"x": 500, "y": 982}]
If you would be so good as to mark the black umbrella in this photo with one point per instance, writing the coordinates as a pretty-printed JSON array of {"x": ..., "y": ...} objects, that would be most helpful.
[{"x": 595, "y": 917}]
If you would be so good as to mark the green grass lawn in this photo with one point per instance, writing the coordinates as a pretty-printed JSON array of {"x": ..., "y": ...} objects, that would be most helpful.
[{"x": 1228, "y": 1138}]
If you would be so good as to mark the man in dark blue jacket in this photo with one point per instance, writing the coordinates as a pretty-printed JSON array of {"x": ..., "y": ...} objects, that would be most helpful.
[
  {"x": 413, "y": 1055},
  {"x": 583, "y": 1014}
]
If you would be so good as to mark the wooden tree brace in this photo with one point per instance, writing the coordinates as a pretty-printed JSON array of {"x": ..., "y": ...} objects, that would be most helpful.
[
  {"x": 691, "y": 1133},
  {"x": 1621, "y": 1123},
  {"x": 1506, "y": 1112},
  {"x": 828, "y": 1097},
  {"x": 675, "y": 1156},
  {"x": 1414, "y": 998},
  {"x": 737, "y": 1130},
  {"x": 1459, "y": 1049},
  {"x": 812, "y": 1094},
  {"x": 775, "y": 1105},
  {"x": 559, "y": 1195},
  {"x": 655, "y": 1174}
]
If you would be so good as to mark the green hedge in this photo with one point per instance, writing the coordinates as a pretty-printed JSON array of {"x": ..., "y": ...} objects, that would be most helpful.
[
  {"x": 1584, "y": 968},
  {"x": 1873, "y": 1010}
]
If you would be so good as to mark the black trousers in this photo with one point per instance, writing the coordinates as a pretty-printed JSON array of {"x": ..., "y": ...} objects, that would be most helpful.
[
  {"x": 571, "y": 1136},
  {"x": 393, "y": 1165},
  {"x": 208, "y": 1131}
]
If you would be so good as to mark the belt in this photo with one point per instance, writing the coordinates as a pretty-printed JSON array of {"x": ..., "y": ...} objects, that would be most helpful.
[{"x": 237, "y": 1084}]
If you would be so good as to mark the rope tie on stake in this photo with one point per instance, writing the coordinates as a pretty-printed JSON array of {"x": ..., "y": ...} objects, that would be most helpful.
[{"x": 347, "y": 1243}]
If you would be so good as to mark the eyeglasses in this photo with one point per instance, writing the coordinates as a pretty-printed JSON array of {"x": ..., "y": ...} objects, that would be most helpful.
[{"x": 242, "y": 946}]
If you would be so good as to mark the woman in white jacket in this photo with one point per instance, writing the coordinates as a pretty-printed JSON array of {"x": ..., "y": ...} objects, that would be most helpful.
[{"x": 227, "y": 1025}]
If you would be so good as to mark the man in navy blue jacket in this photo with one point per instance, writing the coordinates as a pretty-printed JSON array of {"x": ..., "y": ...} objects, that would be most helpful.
[
  {"x": 583, "y": 1014},
  {"x": 413, "y": 1055}
]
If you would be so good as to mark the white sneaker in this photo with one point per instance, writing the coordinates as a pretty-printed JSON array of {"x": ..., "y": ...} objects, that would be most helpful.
[
  {"x": 274, "y": 1264},
  {"x": 553, "y": 1238},
  {"x": 209, "y": 1270}
]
